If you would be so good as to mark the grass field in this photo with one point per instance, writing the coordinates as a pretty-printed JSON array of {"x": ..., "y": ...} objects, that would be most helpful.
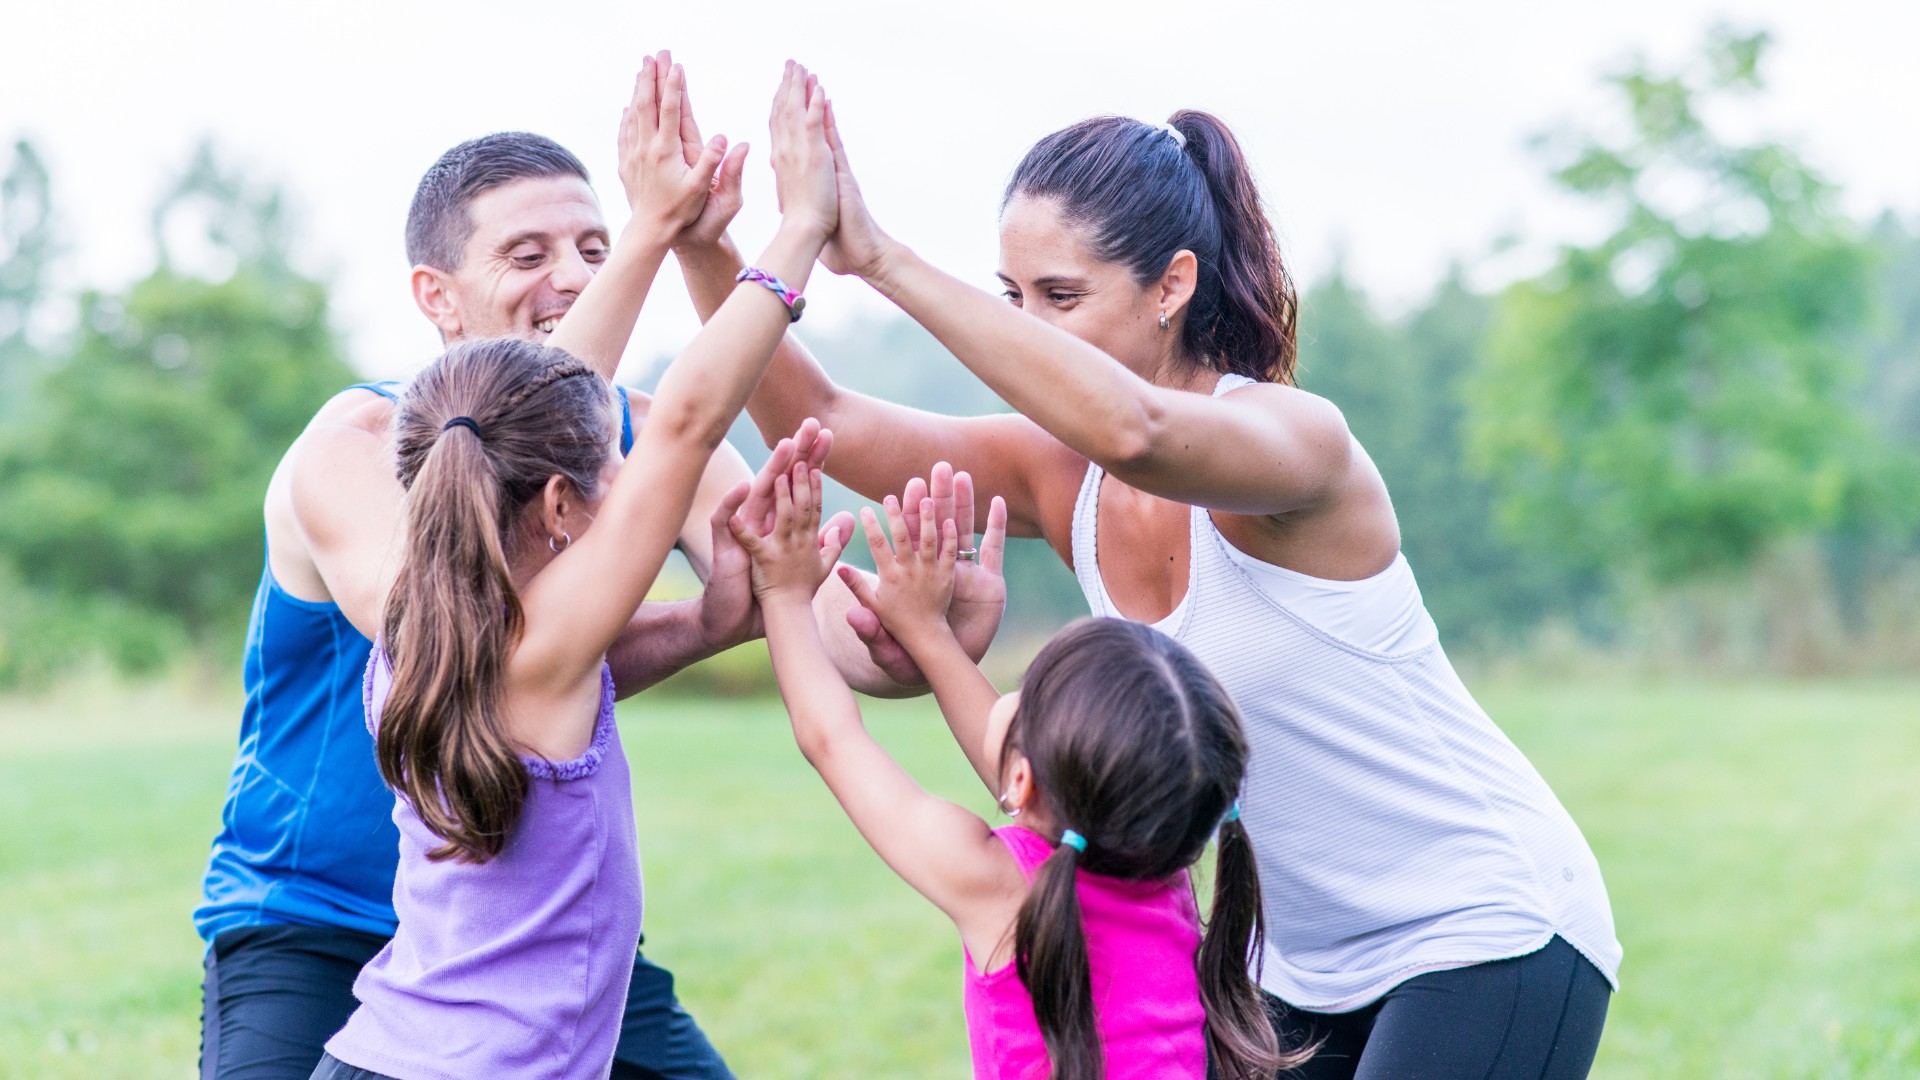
[{"x": 1761, "y": 844}]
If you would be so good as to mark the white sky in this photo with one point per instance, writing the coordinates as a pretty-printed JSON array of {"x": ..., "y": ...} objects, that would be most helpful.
[{"x": 1393, "y": 131}]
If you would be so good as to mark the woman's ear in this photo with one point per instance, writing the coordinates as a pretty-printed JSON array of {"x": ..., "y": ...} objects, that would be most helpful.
[{"x": 1177, "y": 283}]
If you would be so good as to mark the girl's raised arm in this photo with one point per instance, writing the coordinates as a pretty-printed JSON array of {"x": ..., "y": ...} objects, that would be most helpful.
[
  {"x": 946, "y": 852},
  {"x": 579, "y": 603}
]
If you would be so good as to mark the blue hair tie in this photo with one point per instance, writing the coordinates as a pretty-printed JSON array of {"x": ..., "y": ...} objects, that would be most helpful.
[
  {"x": 1232, "y": 814},
  {"x": 1073, "y": 840}
]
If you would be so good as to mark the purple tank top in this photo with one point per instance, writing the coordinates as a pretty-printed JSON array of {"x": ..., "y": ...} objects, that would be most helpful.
[{"x": 517, "y": 966}]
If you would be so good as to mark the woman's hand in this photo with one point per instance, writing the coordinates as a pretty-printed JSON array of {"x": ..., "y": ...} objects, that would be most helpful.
[
  {"x": 790, "y": 557},
  {"x": 666, "y": 181},
  {"x": 858, "y": 246},
  {"x": 802, "y": 161},
  {"x": 916, "y": 572}
]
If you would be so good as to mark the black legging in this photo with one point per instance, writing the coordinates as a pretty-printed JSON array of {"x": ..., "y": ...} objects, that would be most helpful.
[{"x": 1535, "y": 1016}]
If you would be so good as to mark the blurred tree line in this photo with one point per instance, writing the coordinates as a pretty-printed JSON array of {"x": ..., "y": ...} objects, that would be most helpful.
[{"x": 1697, "y": 436}]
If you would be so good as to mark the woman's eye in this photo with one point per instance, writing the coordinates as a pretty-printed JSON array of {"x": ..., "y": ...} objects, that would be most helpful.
[
  {"x": 1063, "y": 297},
  {"x": 1012, "y": 296}
]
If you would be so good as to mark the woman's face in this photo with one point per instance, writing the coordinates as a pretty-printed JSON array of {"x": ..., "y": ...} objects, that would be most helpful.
[{"x": 1049, "y": 271}]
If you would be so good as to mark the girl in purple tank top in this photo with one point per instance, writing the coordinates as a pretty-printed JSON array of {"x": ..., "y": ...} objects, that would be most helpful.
[
  {"x": 529, "y": 543},
  {"x": 1121, "y": 757}
]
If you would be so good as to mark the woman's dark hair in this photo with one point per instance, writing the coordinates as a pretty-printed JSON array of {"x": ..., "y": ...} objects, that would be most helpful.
[
  {"x": 453, "y": 614},
  {"x": 1142, "y": 195},
  {"x": 1135, "y": 745}
]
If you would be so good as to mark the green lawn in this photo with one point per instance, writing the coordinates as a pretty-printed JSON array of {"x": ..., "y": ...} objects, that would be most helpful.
[{"x": 1761, "y": 842}]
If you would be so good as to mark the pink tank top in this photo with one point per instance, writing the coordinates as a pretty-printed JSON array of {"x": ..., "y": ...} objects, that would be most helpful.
[{"x": 1142, "y": 937}]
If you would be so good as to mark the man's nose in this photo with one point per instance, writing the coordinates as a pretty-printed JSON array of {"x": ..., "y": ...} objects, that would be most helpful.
[{"x": 571, "y": 273}]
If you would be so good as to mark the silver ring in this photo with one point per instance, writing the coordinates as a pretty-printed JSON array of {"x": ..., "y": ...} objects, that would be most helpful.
[{"x": 968, "y": 554}]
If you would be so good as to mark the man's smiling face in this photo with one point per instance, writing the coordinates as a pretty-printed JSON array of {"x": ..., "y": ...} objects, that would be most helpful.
[{"x": 535, "y": 244}]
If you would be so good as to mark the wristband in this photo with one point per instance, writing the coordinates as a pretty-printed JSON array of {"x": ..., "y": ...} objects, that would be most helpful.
[{"x": 794, "y": 301}]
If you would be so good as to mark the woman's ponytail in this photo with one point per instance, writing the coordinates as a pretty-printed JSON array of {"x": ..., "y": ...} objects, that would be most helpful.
[
  {"x": 1249, "y": 326},
  {"x": 1050, "y": 949},
  {"x": 1240, "y": 1038},
  {"x": 477, "y": 437},
  {"x": 450, "y": 622}
]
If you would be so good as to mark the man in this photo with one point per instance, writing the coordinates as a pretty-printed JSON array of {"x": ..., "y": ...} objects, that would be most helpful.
[{"x": 504, "y": 233}]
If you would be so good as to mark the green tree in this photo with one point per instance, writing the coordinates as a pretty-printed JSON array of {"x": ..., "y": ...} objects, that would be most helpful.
[
  {"x": 28, "y": 244},
  {"x": 134, "y": 490},
  {"x": 1681, "y": 396}
]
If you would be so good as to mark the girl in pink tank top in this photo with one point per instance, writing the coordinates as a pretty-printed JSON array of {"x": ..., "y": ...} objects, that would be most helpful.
[{"x": 1086, "y": 955}]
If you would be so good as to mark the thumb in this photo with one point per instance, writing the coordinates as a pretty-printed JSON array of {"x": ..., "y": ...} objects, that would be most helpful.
[
  {"x": 702, "y": 172},
  {"x": 747, "y": 538},
  {"x": 863, "y": 595}
]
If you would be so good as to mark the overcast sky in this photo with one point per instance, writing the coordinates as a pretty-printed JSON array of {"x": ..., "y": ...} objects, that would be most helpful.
[{"x": 1393, "y": 132}]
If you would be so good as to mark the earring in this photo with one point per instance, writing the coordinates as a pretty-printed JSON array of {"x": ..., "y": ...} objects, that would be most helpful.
[
  {"x": 1010, "y": 811},
  {"x": 566, "y": 536},
  {"x": 1163, "y": 321}
]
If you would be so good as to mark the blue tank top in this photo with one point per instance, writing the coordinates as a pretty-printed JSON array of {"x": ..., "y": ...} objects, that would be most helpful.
[{"x": 307, "y": 835}]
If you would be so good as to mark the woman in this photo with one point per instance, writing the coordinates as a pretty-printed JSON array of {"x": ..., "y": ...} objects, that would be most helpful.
[{"x": 1431, "y": 908}]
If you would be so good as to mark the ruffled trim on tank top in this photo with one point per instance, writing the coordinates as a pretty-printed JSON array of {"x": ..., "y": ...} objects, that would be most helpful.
[{"x": 589, "y": 761}]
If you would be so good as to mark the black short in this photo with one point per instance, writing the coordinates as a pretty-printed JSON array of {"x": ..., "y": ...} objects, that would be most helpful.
[
  {"x": 274, "y": 995},
  {"x": 1534, "y": 1017}
]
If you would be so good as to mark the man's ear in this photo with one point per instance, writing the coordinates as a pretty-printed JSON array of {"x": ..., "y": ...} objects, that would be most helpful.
[
  {"x": 433, "y": 291},
  {"x": 1177, "y": 282}
]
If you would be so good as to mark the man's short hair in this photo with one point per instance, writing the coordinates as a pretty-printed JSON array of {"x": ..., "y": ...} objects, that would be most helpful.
[{"x": 439, "y": 224}]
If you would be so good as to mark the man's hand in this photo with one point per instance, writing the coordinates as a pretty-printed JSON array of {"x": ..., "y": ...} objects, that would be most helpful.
[
  {"x": 724, "y": 196},
  {"x": 666, "y": 188}
]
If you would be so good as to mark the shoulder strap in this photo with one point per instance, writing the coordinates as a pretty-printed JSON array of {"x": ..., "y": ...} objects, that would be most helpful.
[
  {"x": 386, "y": 388},
  {"x": 626, "y": 420}
]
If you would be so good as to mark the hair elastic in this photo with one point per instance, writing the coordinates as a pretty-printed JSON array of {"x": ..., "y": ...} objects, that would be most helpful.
[
  {"x": 1232, "y": 814},
  {"x": 462, "y": 421},
  {"x": 1073, "y": 840},
  {"x": 1179, "y": 138}
]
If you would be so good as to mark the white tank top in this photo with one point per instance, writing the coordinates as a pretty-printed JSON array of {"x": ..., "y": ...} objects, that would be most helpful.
[{"x": 1397, "y": 830}]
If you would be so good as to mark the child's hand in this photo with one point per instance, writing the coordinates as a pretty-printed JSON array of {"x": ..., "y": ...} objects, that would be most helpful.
[
  {"x": 666, "y": 178},
  {"x": 790, "y": 556},
  {"x": 802, "y": 161},
  {"x": 916, "y": 572}
]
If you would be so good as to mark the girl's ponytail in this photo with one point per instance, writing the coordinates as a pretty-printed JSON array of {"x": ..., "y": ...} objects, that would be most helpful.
[
  {"x": 450, "y": 621},
  {"x": 477, "y": 437},
  {"x": 1050, "y": 949},
  {"x": 1248, "y": 325},
  {"x": 1240, "y": 1038}
]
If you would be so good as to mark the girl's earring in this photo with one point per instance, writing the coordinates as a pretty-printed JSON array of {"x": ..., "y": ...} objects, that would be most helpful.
[
  {"x": 557, "y": 550},
  {"x": 1163, "y": 321},
  {"x": 1010, "y": 811}
]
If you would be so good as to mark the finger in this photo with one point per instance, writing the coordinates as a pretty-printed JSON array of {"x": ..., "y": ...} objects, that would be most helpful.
[
  {"x": 817, "y": 484},
  {"x": 730, "y": 503},
  {"x": 963, "y": 506},
  {"x": 876, "y": 540},
  {"x": 910, "y": 504},
  {"x": 671, "y": 95},
  {"x": 949, "y": 544},
  {"x": 994, "y": 544},
  {"x": 703, "y": 170},
  {"x": 804, "y": 436},
  {"x": 744, "y": 535},
  {"x": 862, "y": 591},
  {"x": 782, "y": 503},
  {"x": 729, "y": 179},
  {"x": 940, "y": 487},
  {"x": 929, "y": 529},
  {"x": 841, "y": 523},
  {"x": 822, "y": 446},
  {"x": 805, "y": 514},
  {"x": 761, "y": 499},
  {"x": 646, "y": 100},
  {"x": 831, "y": 546},
  {"x": 690, "y": 141},
  {"x": 897, "y": 526},
  {"x": 866, "y": 625}
]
